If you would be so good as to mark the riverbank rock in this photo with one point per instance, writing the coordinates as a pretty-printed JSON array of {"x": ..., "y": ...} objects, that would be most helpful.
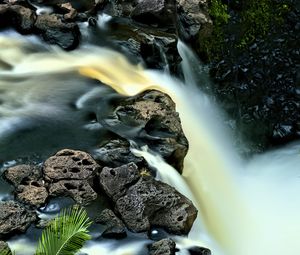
[
  {"x": 149, "y": 118},
  {"x": 143, "y": 201},
  {"x": 199, "y": 251},
  {"x": 14, "y": 218},
  {"x": 18, "y": 17},
  {"x": 115, "y": 228},
  {"x": 163, "y": 247},
  {"x": 55, "y": 31},
  {"x": 71, "y": 173}
]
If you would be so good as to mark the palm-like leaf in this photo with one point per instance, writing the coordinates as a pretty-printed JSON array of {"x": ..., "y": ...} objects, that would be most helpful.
[
  {"x": 6, "y": 251},
  {"x": 66, "y": 234}
]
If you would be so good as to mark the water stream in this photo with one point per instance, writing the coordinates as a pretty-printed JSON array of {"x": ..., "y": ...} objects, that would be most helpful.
[{"x": 245, "y": 207}]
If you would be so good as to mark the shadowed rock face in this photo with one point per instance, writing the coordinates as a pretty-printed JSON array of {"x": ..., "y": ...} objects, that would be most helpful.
[
  {"x": 143, "y": 202},
  {"x": 14, "y": 218},
  {"x": 163, "y": 247},
  {"x": 149, "y": 118}
]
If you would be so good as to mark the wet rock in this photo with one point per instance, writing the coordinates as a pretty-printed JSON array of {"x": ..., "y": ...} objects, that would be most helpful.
[
  {"x": 34, "y": 193},
  {"x": 116, "y": 153},
  {"x": 193, "y": 16},
  {"x": 55, "y": 31},
  {"x": 143, "y": 202},
  {"x": 150, "y": 118},
  {"x": 71, "y": 12},
  {"x": 115, "y": 228},
  {"x": 70, "y": 173},
  {"x": 14, "y": 218},
  {"x": 154, "y": 11},
  {"x": 22, "y": 174},
  {"x": 3, "y": 246},
  {"x": 163, "y": 247},
  {"x": 70, "y": 164},
  {"x": 79, "y": 190},
  {"x": 199, "y": 251},
  {"x": 20, "y": 18}
]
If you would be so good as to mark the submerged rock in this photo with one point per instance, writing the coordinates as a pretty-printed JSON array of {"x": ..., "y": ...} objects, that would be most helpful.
[
  {"x": 143, "y": 201},
  {"x": 115, "y": 228},
  {"x": 163, "y": 247},
  {"x": 14, "y": 218},
  {"x": 149, "y": 118},
  {"x": 71, "y": 173}
]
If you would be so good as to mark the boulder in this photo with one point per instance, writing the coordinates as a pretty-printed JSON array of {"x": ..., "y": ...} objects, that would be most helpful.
[
  {"x": 144, "y": 202},
  {"x": 18, "y": 17},
  {"x": 14, "y": 218},
  {"x": 163, "y": 247},
  {"x": 199, "y": 251},
  {"x": 55, "y": 31},
  {"x": 149, "y": 118},
  {"x": 115, "y": 228}
]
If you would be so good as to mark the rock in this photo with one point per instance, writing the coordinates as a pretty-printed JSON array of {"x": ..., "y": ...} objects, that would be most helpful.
[
  {"x": 22, "y": 174},
  {"x": 3, "y": 246},
  {"x": 116, "y": 153},
  {"x": 115, "y": 228},
  {"x": 71, "y": 14},
  {"x": 34, "y": 194},
  {"x": 20, "y": 18},
  {"x": 143, "y": 201},
  {"x": 79, "y": 190},
  {"x": 193, "y": 16},
  {"x": 55, "y": 31},
  {"x": 199, "y": 251},
  {"x": 70, "y": 164},
  {"x": 14, "y": 218},
  {"x": 69, "y": 173},
  {"x": 149, "y": 118},
  {"x": 163, "y": 247},
  {"x": 154, "y": 11}
]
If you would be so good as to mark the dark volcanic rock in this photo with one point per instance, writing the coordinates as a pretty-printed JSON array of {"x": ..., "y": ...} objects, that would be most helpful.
[
  {"x": 143, "y": 202},
  {"x": 22, "y": 174},
  {"x": 55, "y": 31},
  {"x": 69, "y": 173},
  {"x": 199, "y": 251},
  {"x": 14, "y": 218},
  {"x": 18, "y": 17},
  {"x": 115, "y": 228},
  {"x": 150, "y": 118},
  {"x": 163, "y": 247}
]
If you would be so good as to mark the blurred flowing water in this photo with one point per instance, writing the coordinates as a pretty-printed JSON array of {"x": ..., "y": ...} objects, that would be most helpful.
[{"x": 49, "y": 100}]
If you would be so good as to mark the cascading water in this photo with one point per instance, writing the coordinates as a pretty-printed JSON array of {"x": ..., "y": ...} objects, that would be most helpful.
[{"x": 245, "y": 207}]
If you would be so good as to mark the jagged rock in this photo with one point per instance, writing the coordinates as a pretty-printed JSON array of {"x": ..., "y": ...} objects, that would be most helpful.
[
  {"x": 163, "y": 247},
  {"x": 193, "y": 15},
  {"x": 143, "y": 201},
  {"x": 149, "y": 118},
  {"x": 115, "y": 228},
  {"x": 70, "y": 164},
  {"x": 79, "y": 190},
  {"x": 199, "y": 251},
  {"x": 3, "y": 246},
  {"x": 154, "y": 11},
  {"x": 55, "y": 31},
  {"x": 18, "y": 17},
  {"x": 34, "y": 193},
  {"x": 69, "y": 173},
  {"x": 116, "y": 153},
  {"x": 14, "y": 218},
  {"x": 22, "y": 174}
]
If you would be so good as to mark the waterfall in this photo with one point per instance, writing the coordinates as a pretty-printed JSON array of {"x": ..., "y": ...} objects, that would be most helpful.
[{"x": 244, "y": 207}]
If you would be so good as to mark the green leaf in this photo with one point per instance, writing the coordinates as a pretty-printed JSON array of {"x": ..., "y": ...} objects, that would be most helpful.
[
  {"x": 6, "y": 251},
  {"x": 66, "y": 234}
]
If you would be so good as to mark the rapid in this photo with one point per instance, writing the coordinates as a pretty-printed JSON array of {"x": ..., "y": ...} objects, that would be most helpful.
[{"x": 245, "y": 206}]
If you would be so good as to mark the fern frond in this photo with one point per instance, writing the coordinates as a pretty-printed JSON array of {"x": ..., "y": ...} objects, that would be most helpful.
[{"x": 66, "y": 234}]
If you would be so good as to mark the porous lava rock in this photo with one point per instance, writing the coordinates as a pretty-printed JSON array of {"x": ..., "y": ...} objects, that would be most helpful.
[
  {"x": 14, "y": 218},
  {"x": 71, "y": 173},
  {"x": 143, "y": 202},
  {"x": 163, "y": 247},
  {"x": 149, "y": 118},
  {"x": 115, "y": 228}
]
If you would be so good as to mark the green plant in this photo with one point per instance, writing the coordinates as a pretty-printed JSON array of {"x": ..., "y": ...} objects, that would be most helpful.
[
  {"x": 66, "y": 234},
  {"x": 6, "y": 251}
]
